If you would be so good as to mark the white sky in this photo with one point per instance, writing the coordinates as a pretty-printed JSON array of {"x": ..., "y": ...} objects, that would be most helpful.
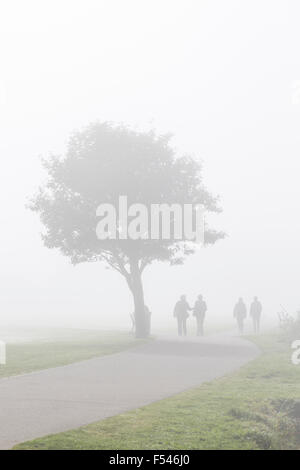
[{"x": 219, "y": 76}]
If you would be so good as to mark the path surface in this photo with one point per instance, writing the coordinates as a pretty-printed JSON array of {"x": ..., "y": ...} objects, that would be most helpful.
[{"x": 64, "y": 398}]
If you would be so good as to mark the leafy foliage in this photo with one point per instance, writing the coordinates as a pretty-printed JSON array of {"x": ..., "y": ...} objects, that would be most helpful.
[{"x": 103, "y": 162}]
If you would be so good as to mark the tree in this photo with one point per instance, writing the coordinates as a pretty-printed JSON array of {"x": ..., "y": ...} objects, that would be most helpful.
[{"x": 102, "y": 163}]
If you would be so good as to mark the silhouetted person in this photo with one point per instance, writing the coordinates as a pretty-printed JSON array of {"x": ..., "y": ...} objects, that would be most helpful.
[
  {"x": 199, "y": 312},
  {"x": 255, "y": 313},
  {"x": 240, "y": 313},
  {"x": 181, "y": 313}
]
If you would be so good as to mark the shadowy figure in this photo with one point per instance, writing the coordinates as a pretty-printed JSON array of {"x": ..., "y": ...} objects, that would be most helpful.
[
  {"x": 199, "y": 312},
  {"x": 181, "y": 313},
  {"x": 255, "y": 313},
  {"x": 240, "y": 313}
]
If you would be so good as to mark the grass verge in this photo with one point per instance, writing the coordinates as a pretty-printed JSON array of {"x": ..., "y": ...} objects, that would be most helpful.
[{"x": 62, "y": 347}]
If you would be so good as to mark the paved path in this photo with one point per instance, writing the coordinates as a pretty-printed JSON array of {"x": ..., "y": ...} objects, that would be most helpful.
[{"x": 54, "y": 400}]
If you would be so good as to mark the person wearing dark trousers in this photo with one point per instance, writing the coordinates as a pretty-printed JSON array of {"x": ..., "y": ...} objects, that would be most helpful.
[
  {"x": 255, "y": 313},
  {"x": 181, "y": 314},
  {"x": 199, "y": 312},
  {"x": 240, "y": 313}
]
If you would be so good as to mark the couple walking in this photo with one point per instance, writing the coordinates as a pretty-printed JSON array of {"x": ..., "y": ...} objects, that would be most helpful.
[
  {"x": 181, "y": 314},
  {"x": 240, "y": 313}
]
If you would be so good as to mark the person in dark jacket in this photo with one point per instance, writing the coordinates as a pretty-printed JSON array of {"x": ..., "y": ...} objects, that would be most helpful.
[
  {"x": 181, "y": 314},
  {"x": 255, "y": 313},
  {"x": 199, "y": 312},
  {"x": 240, "y": 313}
]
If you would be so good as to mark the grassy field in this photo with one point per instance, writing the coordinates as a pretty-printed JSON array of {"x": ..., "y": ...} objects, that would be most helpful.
[
  {"x": 255, "y": 408},
  {"x": 28, "y": 351}
]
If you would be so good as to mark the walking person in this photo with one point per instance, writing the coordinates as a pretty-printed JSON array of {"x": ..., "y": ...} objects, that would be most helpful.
[
  {"x": 199, "y": 312},
  {"x": 255, "y": 313},
  {"x": 181, "y": 313},
  {"x": 240, "y": 313}
]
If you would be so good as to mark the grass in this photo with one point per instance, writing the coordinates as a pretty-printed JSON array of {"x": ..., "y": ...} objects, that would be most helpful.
[
  {"x": 53, "y": 348},
  {"x": 257, "y": 407}
]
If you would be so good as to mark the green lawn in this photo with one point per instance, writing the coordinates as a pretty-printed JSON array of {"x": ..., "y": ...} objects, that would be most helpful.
[
  {"x": 53, "y": 348},
  {"x": 255, "y": 408}
]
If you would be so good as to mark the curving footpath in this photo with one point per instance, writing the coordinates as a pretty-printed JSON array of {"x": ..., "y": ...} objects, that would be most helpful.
[{"x": 64, "y": 398}]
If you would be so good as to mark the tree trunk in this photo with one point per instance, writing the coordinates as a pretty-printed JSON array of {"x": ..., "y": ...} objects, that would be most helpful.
[{"x": 142, "y": 326}]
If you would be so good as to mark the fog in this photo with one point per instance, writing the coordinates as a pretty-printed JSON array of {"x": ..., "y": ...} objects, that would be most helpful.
[{"x": 222, "y": 77}]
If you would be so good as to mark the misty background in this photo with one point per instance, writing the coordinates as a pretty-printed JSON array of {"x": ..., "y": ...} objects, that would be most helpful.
[{"x": 223, "y": 77}]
